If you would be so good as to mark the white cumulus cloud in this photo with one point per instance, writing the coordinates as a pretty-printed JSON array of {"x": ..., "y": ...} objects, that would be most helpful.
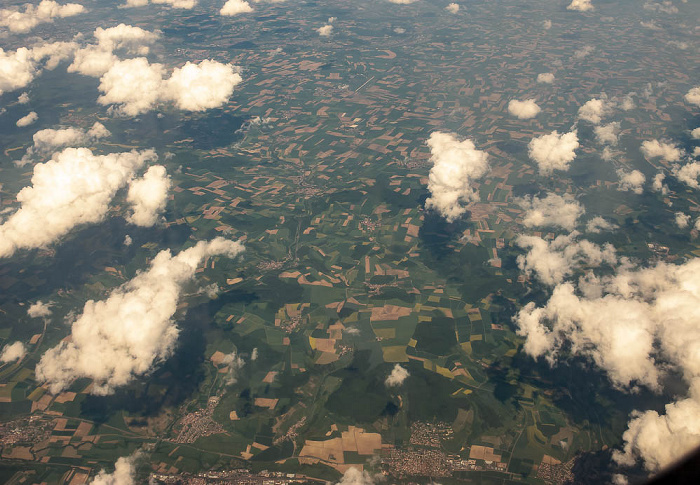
[
  {"x": 75, "y": 187},
  {"x": 523, "y": 109},
  {"x": 666, "y": 151},
  {"x": 608, "y": 134},
  {"x": 552, "y": 210},
  {"x": 552, "y": 261},
  {"x": 19, "y": 68},
  {"x": 124, "y": 472},
  {"x": 397, "y": 376},
  {"x": 580, "y": 5},
  {"x": 48, "y": 140},
  {"x": 693, "y": 96},
  {"x": 631, "y": 181},
  {"x": 637, "y": 324},
  {"x": 135, "y": 86},
  {"x": 452, "y": 8},
  {"x": 545, "y": 78},
  {"x": 148, "y": 196},
  {"x": 456, "y": 165},
  {"x": 39, "y": 310},
  {"x": 355, "y": 476},
  {"x": 24, "y": 20},
  {"x": 27, "y": 120},
  {"x": 12, "y": 352},
  {"x": 235, "y": 7},
  {"x": 554, "y": 151},
  {"x": 118, "y": 339},
  {"x": 595, "y": 110}
]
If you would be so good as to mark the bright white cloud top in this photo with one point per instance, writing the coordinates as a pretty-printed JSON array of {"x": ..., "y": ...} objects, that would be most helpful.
[
  {"x": 608, "y": 134},
  {"x": 452, "y": 8},
  {"x": 48, "y": 140},
  {"x": 27, "y": 120},
  {"x": 553, "y": 151},
  {"x": 523, "y": 109},
  {"x": 552, "y": 261},
  {"x": 580, "y": 5},
  {"x": 148, "y": 196},
  {"x": 632, "y": 181},
  {"x": 25, "y": 19},
  {"x": 134, "y": 86},
  {"x": 668, "y": 152},
  {"x": 124, "y": 472},
  {"x": 19, "y": 68},
  {"x": 545, "y": 78},
  {"x": 74, "y": 188},
  {"x": 693, "y": 96},
  {"x": 595, "y": 110},
  {"x": 12, "y": 352},
  {"x": 655, "y": 312},
  {"x": 118, "y": 339},
  {"x": 235, "y": 7},
  {"x": 397, "y": 377},
  {"x": 552, "y": 210},
  {"x": 456, "y": 165}
]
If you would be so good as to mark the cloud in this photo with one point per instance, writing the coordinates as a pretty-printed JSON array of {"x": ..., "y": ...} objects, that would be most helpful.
[
  {"x": 148, "y": 195},
  {"x": 598, "y": 224},
  {"x": 48, "y": 140},
  {"x": 580, "y": 5},
  {"x": 74, "y": 188},
  {"x": 553, "y": 151},
  {"x": 325, "y": 31},
  {"x": 354, "y": 476},
  {"x": 235, "y": 7},
  {"x": 25, "y": 20},
  {"x": 553, "y": 210},
  {"x": 667, "y": 151},
  {"x": 631, "y": 181},
  {"x": 456, "y": 165},
  {"x": 688, "y": 174},
  {"x": 12, "y": 352},
  {"x": 552, "y": 261},
  {"x": 695, "y": 133},
  {"x": 658, "y": 183},
  {"x": 682, "y": 220},
  {"x": 19, "y": 68},
  {"x": 124, "y": 472},
  {"x": 608, "y": 134},
  {"x": 452, "y": 8},
  {"x": 402, "y": 2},
  {"x": 135, "y": 86},
  {"x": 23, "y": 98},
  {"x": 583, "y": 52},
  {"x": 96, "y": 59},
  {"x": 547, "y": 24},
  {"x": 693, "y": 96},
  {"x": 595, "y": 110},
  {"x": 637, "y": 324},
  {"x": 523, "y": 109},
  {"x": 128, "y": 241},
  {"x": 397, "y": 376},
  {"x": 545, "y": 78},
  {"x": 30, "y": 119},
  {"x": 234, "y": 363},
  {"x": 123, "y": 337},
  {"x": 39, "y": 310}
]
